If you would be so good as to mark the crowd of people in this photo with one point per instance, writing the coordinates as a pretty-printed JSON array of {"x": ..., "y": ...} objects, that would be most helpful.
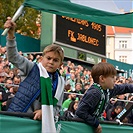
[
  {"x": 76, "y": 91},
  {"x": 78, "y": 81}
]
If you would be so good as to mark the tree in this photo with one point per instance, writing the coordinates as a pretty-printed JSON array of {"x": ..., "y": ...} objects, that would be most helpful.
[{"x": 27, "y": 23}]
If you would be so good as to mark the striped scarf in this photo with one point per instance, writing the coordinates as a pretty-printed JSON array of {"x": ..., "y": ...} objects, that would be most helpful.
[{"x": 48, "y": 102}]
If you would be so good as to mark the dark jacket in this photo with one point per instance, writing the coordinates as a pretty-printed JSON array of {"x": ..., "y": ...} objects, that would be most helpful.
[
  {"x": 28, "y": 91},
  {"x": 91, "y": 99},
  {"x": 5, "y": 95}
]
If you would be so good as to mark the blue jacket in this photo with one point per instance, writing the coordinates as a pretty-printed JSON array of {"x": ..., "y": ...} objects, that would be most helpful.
[{"x": 28, "y": 91}]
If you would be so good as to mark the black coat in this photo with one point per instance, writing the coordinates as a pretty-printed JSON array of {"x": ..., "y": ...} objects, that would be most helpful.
[{"x": 91, "y": 99}]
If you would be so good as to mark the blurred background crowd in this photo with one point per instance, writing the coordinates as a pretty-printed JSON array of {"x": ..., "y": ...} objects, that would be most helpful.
[{"x": 78, "y": 80}]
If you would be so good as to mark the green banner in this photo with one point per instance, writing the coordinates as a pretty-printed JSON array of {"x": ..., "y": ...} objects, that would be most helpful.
[
  {"x": 12, "y": 124},
  {"x": 66, "y": 8},
  {"x": 78, "y": 127}
]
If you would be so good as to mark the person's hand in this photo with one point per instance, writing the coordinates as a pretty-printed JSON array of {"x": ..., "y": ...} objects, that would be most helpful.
[
  {"x": 0, "y": 49},
  {"x": 4, "y": 103},
  {"x": 11, "y": 90},
  {"x": 98, "y": 129},
  {"x": 37, "y": 115},
  {"x": 11, "y": 25},
  {"x": 125, "y": 120},
  {"x": 0, "y": 95},
  {"x": 113, "y": 100}
]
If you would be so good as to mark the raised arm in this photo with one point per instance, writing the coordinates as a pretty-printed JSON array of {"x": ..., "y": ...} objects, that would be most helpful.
[{"x": 12, "y": 53}]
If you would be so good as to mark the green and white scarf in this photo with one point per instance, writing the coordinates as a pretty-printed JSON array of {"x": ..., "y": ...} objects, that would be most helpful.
[
  {"x": 103, "y": 101},
  {"x": 48, "y": 102}
]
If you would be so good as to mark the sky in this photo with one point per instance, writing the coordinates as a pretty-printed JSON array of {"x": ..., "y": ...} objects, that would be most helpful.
[
  {"x": 113, "y": 6},
  {"x": 127, "y": 5}
]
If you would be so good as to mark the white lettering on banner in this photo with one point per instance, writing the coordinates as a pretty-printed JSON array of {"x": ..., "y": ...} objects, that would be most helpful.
[
  {"x": 99, "y": 60},
  {"x": 91, "y": 59},
  {"x": 58, "y": 128}
]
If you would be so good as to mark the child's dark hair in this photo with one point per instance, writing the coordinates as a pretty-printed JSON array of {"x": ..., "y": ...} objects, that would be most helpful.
[
  {"x": 102, "y": 68},
  {"x": 71, "y": 106}
]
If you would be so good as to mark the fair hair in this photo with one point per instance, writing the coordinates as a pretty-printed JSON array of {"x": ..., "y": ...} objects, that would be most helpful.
[{"x": 54, "y": 48}]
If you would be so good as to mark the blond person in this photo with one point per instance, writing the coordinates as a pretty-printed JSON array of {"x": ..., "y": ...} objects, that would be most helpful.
[{"x": 29, "y": 95}]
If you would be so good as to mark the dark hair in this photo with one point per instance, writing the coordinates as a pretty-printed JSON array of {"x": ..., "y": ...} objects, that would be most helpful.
[
  {"x": 71, "y": 106},
  {"x": 102, "y": 68},
  {"x": 130, "y": 95},
  {"x": 17, "y": 77}
]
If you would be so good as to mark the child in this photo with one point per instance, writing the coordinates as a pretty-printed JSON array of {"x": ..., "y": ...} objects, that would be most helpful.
[
  {"x": 97, "y": 96},
  {"x": 113, "y": 112},
  {"x": 70, "y": 112},
  {"x": 39, "y": 78}
]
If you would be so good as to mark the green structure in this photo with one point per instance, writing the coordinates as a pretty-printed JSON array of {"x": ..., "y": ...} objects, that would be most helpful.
[
  {"x": 25, "y": 44},
  {"x": 73, "y": 51},
  {"x": 123, "y": 69},
  {"x": 85, "y": 57},
  {"x": 26, "y": 125}
]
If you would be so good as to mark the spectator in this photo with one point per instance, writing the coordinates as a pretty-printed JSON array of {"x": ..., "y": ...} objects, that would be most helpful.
[
  {"x": 4, "y": 95},
  {"x": 78, "y": 90},
  {"x": 30, "y": 57},
  {"x": 130, "y": 115},
  {"x": 66, "y": 103},
  {"x": 43, "y": 77},
  {"x": 86, "y": 86},
  {"x": 38, "y": 58},
  {"x": 16, "y": 81},
  {"x": 8, "y": 84},
  {"x": 78, "y": 79},
  {"x": 93, "y": 102},
  {"x": 6, "y": 69},
  {"x": 70, "y": 112},
  {"x": 113, "y": 112},
  {"x": 114, "y": 102},
  {"x": 72, "y": 81},
  {"x": 1, "y": 66},
  {"x": 2, "y": 77},
  {"x": 11, "y": 74},
  {"x": 121, "y": 103}
]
